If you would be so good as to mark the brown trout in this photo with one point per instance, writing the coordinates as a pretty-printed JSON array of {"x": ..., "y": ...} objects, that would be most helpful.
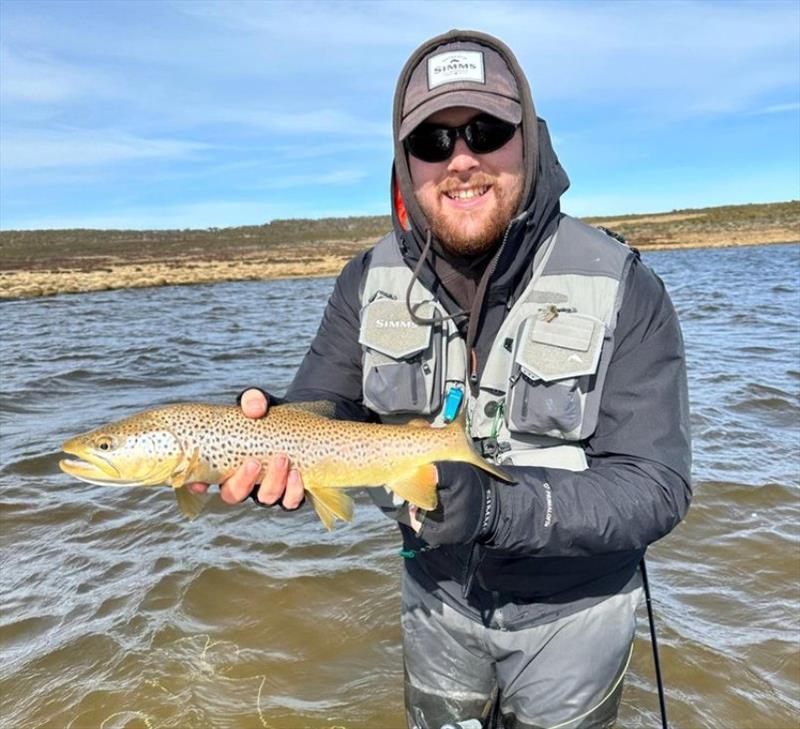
[{"x": 180, "y": 444}]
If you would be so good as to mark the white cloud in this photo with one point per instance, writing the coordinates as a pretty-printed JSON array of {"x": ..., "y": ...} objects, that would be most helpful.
[
  {"x": 306, "y": 150},
  {"x": 314, "y": 121},
  {"x": 41, "y": 79},
  {"x": 206, "y": 214},
  {"x": 31, "y": 150},
  {"x": 777, "y": 109},
  {"x": 348, "y": 24},
  {"x": 336, "y": 177}
]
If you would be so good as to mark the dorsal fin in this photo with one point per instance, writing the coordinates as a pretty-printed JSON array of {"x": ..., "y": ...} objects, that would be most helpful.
[
  {"x": 323, "y": 408},
  {"x": 419, "y": 423}
]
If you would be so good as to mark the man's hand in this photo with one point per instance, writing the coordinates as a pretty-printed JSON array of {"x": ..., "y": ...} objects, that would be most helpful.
[
  {"x": 467, "y": 509},
  {"x": 279, "y": 483}
]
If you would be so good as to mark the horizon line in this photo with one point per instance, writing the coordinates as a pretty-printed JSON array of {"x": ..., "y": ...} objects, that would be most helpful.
[{"x": 381, "y": 215}]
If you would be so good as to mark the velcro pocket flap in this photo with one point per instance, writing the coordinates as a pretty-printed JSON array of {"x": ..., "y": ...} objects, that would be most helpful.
[
  {"x": 387, "y": 327},
  {"x": 567, "y": 346}
]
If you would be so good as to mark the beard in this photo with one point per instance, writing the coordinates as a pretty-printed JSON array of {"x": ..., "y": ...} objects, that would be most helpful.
[{"x": 461, "y": 239}]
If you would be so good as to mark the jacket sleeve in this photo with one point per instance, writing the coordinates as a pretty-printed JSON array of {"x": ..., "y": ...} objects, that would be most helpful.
[
  {"x": 637, "y": 487},
  {"x": 331, "y": 369}
]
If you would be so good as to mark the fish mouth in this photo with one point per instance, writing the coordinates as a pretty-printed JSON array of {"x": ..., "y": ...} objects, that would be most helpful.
[{"x": 90, "y": 467}]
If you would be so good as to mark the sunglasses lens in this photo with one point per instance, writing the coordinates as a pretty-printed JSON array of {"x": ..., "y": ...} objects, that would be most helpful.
[
  {"x": 430, "y": 143},
  {"x": 433, "y": 143},
  {"x": 486, "y": 134}
]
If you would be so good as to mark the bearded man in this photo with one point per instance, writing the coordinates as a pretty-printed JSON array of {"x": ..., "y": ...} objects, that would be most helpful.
[{"x": 563, "y": 350}]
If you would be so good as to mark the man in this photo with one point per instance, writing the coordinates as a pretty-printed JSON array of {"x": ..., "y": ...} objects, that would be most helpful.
[{"x": 564, "y": 352}]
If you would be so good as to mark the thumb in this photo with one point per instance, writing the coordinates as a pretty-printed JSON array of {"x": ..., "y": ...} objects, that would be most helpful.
[{"x": 254, "y": 403}]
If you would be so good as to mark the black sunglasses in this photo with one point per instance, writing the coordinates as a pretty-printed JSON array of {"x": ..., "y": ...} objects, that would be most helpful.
[{"x": 435, "y": 143}]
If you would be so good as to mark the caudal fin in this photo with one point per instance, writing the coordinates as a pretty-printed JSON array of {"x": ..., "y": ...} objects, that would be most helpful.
[
  {"x": 419, "y": 488},
  {"x": 466, "y": 452}
]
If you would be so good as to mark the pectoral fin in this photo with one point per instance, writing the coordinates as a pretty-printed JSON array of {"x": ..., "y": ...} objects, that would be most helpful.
[
  {"x": 330, "y": 504},
  {"x": 190, "y": 503},
  {"x": 181, "y": 475},
  {"x": 418, "y": 488}
]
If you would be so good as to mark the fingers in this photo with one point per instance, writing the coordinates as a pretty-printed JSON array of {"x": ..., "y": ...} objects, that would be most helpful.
[
  {"x": 197, "y": 488},
  {"x": 238, "y": 486},
  {"x": 278, "y": 482},
  {"x": 254, "y": 404},
  {"x": 295, "y": 491},
  {"x": 281, "y": 483},
  {"x": 273, "y": 484}
]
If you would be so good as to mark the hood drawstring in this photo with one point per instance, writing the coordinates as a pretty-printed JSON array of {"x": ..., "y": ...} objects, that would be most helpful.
[
  {"x": 473, "y": 317},
  {"x": 412, "y": 310},
  {"x": 477, "y": 305}
]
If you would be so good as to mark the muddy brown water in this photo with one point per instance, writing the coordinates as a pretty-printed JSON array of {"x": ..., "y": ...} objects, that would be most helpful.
[{"x": 116, "y": 612}]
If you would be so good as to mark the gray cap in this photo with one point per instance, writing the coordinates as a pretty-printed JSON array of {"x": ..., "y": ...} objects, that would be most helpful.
[{"x": 460, "y": 73}]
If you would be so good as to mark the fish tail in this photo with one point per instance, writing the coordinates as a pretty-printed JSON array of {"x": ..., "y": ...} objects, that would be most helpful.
[
  {"x": 418, "y": 488},
  {"x": 467, "y": 453}
]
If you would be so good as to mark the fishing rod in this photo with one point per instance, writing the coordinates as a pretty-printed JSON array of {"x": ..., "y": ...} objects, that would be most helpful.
[{"x": 662, "y": 703}]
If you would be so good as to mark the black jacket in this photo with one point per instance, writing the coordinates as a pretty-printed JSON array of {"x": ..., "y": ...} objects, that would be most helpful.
[{"x": 637, "y": 487}]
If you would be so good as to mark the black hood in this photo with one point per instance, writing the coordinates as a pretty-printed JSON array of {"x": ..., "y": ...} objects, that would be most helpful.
[{"x": 545, "y": 180}]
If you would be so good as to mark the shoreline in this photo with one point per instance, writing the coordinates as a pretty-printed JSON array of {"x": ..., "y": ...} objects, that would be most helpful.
[{"x": 186, "y": 271}]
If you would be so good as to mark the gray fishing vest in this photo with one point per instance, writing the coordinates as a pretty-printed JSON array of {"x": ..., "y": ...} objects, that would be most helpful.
[{"x": 539, "y": 394}]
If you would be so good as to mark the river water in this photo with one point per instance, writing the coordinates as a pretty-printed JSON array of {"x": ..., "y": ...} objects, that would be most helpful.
[{"x": 117, "y": 612}]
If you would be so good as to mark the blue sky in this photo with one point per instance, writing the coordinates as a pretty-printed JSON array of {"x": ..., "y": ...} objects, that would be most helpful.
[{"x": 195, "y": 114}]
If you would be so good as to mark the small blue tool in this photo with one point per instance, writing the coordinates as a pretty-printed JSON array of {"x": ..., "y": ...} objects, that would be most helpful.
[{"x": 452, "y": 403}]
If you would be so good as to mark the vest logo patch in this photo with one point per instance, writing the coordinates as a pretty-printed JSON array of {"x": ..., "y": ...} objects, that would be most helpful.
[
  {"x": 455, "y": 66},
  {"x": 394, "y": 324}
]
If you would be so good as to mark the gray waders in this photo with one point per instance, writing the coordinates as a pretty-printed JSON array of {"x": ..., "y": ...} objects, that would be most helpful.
[{"x": 566, "y": 674}]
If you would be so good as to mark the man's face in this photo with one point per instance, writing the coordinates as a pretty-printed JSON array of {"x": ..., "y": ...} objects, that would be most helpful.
[{"x": 470, "y": 198}]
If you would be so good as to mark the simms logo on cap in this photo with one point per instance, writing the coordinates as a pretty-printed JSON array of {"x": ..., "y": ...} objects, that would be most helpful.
[{"x": 446, "y": 68}]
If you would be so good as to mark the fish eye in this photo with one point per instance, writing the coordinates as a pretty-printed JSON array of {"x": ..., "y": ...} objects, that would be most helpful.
[{"x": 104, "y": 442}]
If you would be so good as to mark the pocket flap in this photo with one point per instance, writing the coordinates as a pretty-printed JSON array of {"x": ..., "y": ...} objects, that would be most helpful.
[
  {"x": 567, "y": 346},
  {"x": 387, "y": 327}
]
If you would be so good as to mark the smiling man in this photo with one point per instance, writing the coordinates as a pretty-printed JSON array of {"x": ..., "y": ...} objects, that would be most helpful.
[
  {"x": 564, "y": 355},
  {"x": 468, "y": 198}
]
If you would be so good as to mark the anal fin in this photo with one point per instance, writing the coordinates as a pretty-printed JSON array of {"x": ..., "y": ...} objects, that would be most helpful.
[
  {"x": 330, "y": 504},
  {"x": 418, "y": 488}
]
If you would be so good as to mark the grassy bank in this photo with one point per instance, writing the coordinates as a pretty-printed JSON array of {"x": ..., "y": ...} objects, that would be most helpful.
[{"x": 44, "y": 262}]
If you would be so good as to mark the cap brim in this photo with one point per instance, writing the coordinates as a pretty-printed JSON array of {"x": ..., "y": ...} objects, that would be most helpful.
[{"x": 500, "y": 106}]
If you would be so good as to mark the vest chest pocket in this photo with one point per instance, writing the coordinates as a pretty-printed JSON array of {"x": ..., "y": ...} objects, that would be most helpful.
[
  {"x": 402, "y": 359},
  {"x": 553, "y": 368}
]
